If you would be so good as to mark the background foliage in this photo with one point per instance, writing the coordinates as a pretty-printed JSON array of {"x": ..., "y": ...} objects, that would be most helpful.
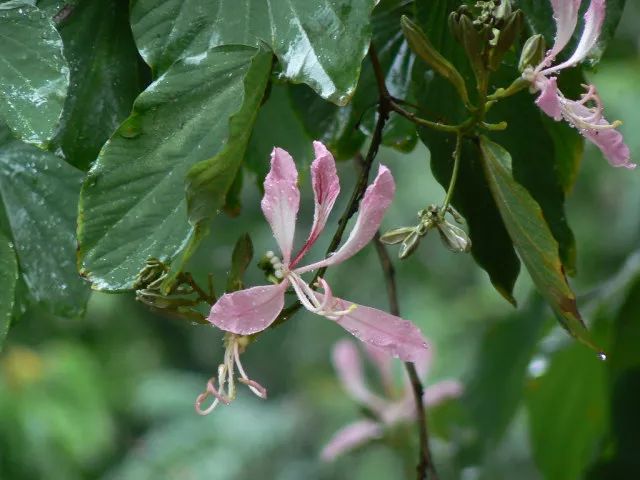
[{"x": 174, "y": 107}]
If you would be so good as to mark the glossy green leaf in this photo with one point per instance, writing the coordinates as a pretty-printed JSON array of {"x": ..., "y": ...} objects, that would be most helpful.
[
  {"x": 34, "y": 75},
  {"x": 343, "y": 130},
  {"x": 567, "y": 412},
  {"x": 105, "y": 78},
  {"x": 492, "y": 247},
  {"x": 132, "y": 203},
  {"x": 321, "y": 43},
  {"x": 277, "y": 126},
  {"x": 8, "y": 281},
  {"x": 545, "y": 166},
  {"x": 240, "y": 261},
  {"x": 40, "y": 194},
  {"x": 532, "y": 238}
]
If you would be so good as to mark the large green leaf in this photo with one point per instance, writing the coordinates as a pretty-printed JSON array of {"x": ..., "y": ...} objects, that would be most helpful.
[
  {"x": 532, "y": 238},
  {"x": 546, "y": 168},
  {"x": 343, "y": 129},
  {"x": 34, "y": 75},
  {"x": 319, "y": 43},
  {"x": 105, "y": 77},
  {"x": 8, "y": 280},
  {"x": 492, "y": 247},
  {"x": 133, "y": 204},
  {"x": 40, "y": 194},
  {"x": 567, "y": 412}
]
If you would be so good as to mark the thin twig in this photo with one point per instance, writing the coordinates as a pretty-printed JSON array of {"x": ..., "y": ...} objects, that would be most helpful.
[{"x": 425, "y": 468}]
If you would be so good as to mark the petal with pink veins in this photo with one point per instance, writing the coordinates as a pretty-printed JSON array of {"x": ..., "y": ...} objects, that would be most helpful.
[
  {"x": 373, "y": 206},
  {"x": 395, "y": 336},
  {"x": 351, "y": 437},
  {"x": 593, "y": 20},
  {"x": 248, "y": 311},
  {"x": 346, "y": 361},
  {"x": 281, "y": 200},
  {"x": 326, "y": 187}
]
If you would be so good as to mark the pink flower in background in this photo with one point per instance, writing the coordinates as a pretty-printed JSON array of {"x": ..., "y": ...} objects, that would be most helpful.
[
  {"x": 387, "y": 411},
  {"x": 585, "y": 114}
]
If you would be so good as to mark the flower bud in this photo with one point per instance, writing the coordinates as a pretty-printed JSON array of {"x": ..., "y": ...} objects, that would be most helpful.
[
  {"x": 454, "y": 238},
  {"x": 532, "y": 53},
  {"x": 397, "y": 235},
  {"x": 474, "y": 43},
  {"x": 506, "y": 37},
  {"x": 422, "y": 47},
  {"x": 409, "y": 245}
]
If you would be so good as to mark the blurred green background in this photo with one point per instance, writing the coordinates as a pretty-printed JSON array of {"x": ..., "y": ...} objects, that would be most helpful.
[{"x": 111, "y": 395}]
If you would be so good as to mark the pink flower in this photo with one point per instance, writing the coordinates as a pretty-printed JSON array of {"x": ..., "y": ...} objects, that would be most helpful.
[
  {"x": 387, "y": 411},
  {"x": 246, "y": 312},
  {"x": 585, "y": 114}
]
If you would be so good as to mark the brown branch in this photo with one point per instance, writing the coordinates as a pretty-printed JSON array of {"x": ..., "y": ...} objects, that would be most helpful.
[{"x": 425, "y": 468}]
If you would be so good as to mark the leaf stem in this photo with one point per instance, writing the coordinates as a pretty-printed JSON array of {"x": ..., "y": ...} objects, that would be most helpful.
[{"x": 457, "y": 154}]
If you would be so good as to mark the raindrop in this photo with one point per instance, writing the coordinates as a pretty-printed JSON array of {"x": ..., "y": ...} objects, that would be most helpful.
[{"x": 602, "y": 356}]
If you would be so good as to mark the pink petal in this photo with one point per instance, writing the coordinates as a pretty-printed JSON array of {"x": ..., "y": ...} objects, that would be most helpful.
[
  {"x": 248, "y": 311},
  {"x": 593, "y": 20},
  {"x": 373, "y": 206},
  {"x": 351, "y": 437},
  {"x": 326, "y": 187},
  {"x": 404, "y": 410},
  {"x": 346, "y": 361},
  {"x": 281, "y": 200},
  {"x": 565, "y": 13},
  {"x": 609, "y": 141},
  {"x": 395, "y": 336},
  {"x": 442, "y": 391},
  {"x": 549, "y": 99}
]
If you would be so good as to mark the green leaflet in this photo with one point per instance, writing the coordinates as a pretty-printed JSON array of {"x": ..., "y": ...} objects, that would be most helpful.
[
  {"x": 532, "y": 238},
  {"x": 34, "y": 75},
  {"x": 8, "y": 281},
  {"x": 319, "y": 43},
  {"x": 40, "y": 194},
  {"x": 132, "y": 204},
  {"x": 105, "y": 77}
]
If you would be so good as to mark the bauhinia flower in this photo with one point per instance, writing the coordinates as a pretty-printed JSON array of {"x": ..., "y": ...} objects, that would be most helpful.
[
  {"x": 387, "y": 412},
  {"x": 252, "y": 310},
  {"x": 586, "y": 114}
]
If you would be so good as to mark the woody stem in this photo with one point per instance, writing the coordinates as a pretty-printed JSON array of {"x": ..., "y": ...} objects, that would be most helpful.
[{"x": 425, "y": 468}]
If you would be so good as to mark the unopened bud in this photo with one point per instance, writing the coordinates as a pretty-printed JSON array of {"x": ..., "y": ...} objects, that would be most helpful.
[
  {"x": 422, "y": 47},
  {"x": 397, "y": 235},
  {"x": 506, "y": 37},
  {"x": 409, "y": 245},
  {"x": 454, "y": 238},
  {"x": 473, "y": 44},
  {"x": 533, "y": 52}
]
